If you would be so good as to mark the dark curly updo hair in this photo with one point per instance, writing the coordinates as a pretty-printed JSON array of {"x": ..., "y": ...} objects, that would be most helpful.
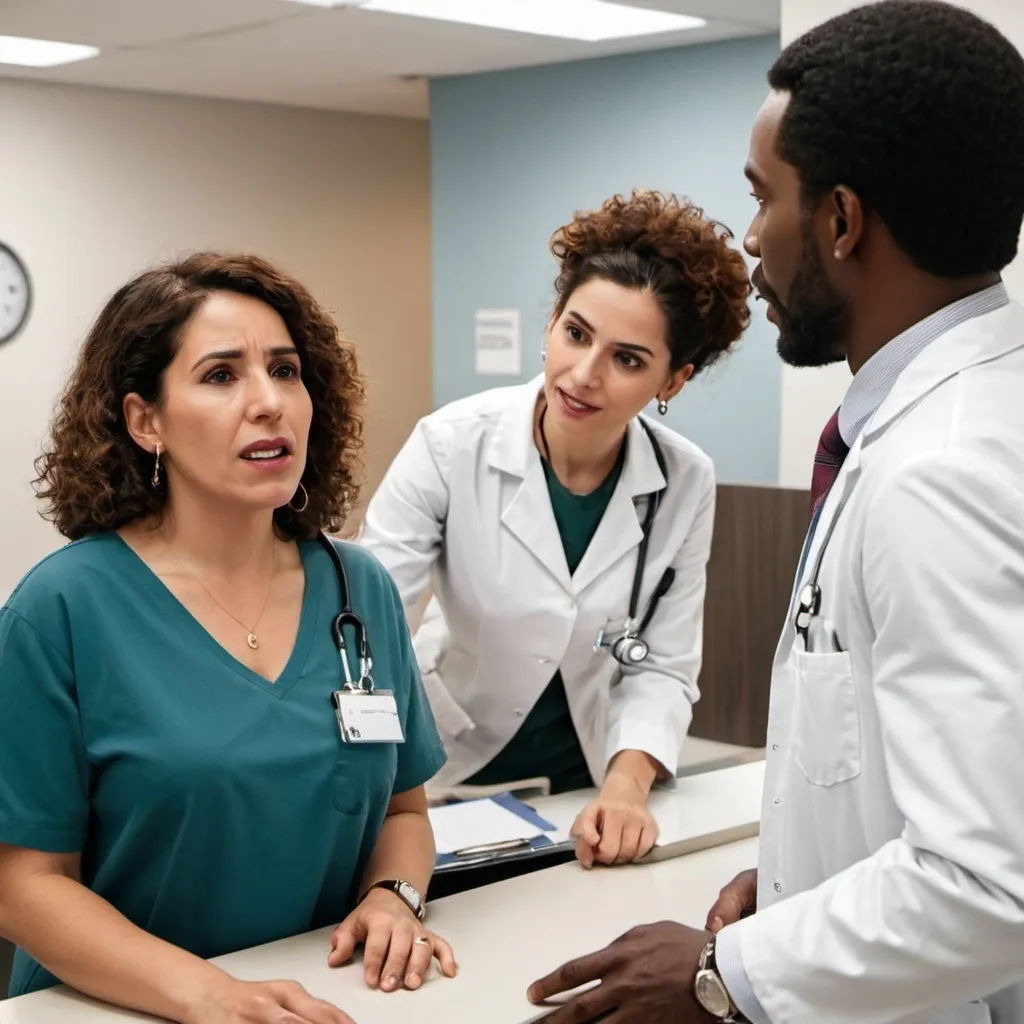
[
  {"x": 95, "y": 478},
  {"x": 664, "y": 245}
]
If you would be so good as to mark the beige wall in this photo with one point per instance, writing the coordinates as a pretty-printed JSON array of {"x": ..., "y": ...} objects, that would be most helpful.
[
  {"x": 809, "y": 397},
  {"x": 95, "y": 185}
]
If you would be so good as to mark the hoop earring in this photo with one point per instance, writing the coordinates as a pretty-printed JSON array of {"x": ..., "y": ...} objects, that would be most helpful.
[
  {"x": 305, "y": 500},
  {"x": 156, "y": 467},
  {"x": 662, "y": 406}
]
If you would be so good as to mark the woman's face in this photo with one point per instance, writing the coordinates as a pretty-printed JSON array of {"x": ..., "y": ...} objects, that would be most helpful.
[
  {"x": 233, "y": 418},
  {"x": 607, "y": 358}
]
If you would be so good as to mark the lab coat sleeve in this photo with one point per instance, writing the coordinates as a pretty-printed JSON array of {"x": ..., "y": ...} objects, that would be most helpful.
[
  {"x": 404, "y": 523},
  {"x": 652, "y": 706},
  {"x": 936, "y": 917}
]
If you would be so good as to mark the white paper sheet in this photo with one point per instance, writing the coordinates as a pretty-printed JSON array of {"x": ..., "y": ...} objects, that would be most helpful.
[{"x": 477, "y": 823}]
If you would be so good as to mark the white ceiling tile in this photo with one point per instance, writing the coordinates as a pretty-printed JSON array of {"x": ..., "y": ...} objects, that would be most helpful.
[{"x": 281, "y": 52}]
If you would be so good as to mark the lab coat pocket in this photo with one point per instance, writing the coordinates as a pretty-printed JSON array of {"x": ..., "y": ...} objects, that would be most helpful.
[
  {"x": 827, "y": 740},
  {"x": 451, "y": 720}
]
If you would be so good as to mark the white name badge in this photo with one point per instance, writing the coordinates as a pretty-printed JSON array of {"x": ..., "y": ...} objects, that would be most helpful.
[{"x": 367, "y": 717}]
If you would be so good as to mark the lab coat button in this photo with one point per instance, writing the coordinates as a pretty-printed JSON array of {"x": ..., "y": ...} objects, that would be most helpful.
[
  {"x": 778, "y": 887},
  {"x": 775, "y": 746},
  {"x": 518, "y": 712},
  {"x": 777, "y": 800},
  {"x": 543, "y": 661}
]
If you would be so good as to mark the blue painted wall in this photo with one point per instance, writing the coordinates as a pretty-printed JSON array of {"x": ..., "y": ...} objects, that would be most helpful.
[{"x": 515, "y": 153}]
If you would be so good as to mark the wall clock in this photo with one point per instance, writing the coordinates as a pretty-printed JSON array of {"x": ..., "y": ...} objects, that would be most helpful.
[{"x": 15, "y": 294}]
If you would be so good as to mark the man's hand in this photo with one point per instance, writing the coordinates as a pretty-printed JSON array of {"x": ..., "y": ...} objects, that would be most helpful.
[
  {"x": 736, "y": 900},
  {"x": 646, "y": 977}
]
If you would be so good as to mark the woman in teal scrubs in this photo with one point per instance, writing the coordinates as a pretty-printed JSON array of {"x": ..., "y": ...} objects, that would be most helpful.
[{"x": 174, "y": 784}]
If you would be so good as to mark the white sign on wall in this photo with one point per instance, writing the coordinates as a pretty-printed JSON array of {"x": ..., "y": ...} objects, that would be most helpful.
[{"x": 498, "y": 342}]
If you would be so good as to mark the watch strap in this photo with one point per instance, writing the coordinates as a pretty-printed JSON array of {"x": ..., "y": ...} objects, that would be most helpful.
[
  {"x": 395, "y": 885},
  {"x": 708, "y": 962}
]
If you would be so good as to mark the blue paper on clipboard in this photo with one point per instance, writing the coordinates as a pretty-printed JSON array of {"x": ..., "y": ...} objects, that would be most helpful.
[{"x": 529, "y": 835}]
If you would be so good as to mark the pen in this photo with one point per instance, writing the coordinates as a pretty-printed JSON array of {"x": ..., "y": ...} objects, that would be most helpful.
[{"x": 508, "y": 844}]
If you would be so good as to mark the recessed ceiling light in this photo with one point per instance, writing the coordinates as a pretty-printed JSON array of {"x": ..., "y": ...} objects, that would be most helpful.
[
  {"x": 589, "y": 20},
  {"x": 41, "y": 53}
]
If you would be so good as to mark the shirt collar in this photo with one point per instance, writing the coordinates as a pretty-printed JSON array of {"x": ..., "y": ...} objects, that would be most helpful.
[{"x": 875, "y": 379}]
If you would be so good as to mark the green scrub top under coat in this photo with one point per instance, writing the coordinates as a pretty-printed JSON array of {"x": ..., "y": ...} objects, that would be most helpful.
[
  {"x": 547, "y": 744},
  {"x": 213, "y": 808}
]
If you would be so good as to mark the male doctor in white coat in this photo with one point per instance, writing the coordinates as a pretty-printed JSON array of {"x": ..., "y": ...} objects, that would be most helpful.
[{"x": 888, "y": 166}]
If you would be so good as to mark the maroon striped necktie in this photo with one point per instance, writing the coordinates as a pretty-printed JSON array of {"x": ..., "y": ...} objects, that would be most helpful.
[{"x": 828, "y": 460}]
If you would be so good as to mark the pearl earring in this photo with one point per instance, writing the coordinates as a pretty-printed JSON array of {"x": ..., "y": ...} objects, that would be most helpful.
[{"x": 662, "y": 406}]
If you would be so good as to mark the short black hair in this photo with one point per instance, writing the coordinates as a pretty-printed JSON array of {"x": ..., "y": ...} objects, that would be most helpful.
[{"x": 918, "y": 106}]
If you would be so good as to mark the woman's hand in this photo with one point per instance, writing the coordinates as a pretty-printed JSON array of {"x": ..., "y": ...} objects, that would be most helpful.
[
  {"x": 270, "y": 1002},
  {"x": 617, "y": 827},
  {"x": 398, "y": 949}
]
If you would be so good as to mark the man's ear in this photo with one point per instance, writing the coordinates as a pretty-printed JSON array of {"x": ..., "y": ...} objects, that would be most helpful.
[{"x": 846, "y": 222}]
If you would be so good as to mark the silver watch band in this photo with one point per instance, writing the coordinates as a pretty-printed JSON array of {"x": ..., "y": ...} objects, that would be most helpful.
[{"x": 711, "y": 991}]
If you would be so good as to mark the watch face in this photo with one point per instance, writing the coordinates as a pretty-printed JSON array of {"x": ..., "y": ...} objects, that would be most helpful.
[
  {"x": 15, "y": 294},
  {"x": 711, "y": 994},
  {"x": 410, "y": 894}
]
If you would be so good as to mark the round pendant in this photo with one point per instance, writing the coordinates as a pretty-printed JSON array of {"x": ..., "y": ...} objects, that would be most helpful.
[{"x": 252, "y": 641}]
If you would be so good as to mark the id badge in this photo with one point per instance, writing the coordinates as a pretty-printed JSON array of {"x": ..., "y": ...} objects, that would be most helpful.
[{"x": 367, "y": 717}]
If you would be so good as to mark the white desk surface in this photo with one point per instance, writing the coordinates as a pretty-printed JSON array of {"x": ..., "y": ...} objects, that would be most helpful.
[
  {"x": 694, "y": 812},
  {"x": 504, "y": 935}
]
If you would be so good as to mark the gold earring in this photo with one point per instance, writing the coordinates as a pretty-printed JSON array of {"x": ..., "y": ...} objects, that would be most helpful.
[
  {"x": 305, "y": 500},
  {"x": 156, "y": 467}
]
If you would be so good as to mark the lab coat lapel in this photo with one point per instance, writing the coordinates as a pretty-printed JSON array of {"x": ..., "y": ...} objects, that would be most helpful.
[
  {"x": 620, "y": 528},
  {"x": 975, "y": 341},
  {"x": 838, "y": 495},
  {"x": 528, "y": 516}
]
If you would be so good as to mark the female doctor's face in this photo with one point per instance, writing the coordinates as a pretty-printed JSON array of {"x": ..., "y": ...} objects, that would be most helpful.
[
  {"x": 607, "y": 358},
  {"x": 234, "y": 415}
]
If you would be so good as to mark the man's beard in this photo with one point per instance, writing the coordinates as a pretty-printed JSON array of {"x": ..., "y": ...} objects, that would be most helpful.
[{"x": 813, "y": 328}]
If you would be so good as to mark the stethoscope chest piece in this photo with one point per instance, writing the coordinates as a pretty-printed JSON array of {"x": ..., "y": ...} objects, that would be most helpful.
[
  {"x": 630, "y": 650},
  {"x": 808, "y": 606}
]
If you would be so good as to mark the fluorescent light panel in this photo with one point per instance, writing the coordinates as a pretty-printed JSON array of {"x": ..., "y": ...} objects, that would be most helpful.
[
  {"x": 589, "y": 20},
  {"x": 41, "y": 53}
]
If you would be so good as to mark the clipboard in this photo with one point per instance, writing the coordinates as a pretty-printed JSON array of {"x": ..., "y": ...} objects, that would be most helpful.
[{"x": 515, "y": 850}]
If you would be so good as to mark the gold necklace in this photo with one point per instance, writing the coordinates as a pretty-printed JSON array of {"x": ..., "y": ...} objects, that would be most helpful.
[{"x": 250, "y": 638}]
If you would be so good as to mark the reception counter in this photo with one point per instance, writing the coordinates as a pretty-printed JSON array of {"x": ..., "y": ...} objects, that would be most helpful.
[{"x": 508, "y": 934}]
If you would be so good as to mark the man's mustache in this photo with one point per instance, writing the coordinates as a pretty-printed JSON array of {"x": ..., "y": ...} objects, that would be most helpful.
[{"x": 763, "y": 290}]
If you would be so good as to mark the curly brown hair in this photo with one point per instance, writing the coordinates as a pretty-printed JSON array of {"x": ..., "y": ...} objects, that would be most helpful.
[
  {"x": 665, "y": 245},
  {"x": 95, "y": 478}
]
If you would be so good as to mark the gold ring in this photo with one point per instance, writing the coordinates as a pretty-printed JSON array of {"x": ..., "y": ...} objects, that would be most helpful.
[{"x": 421, "y": 940}]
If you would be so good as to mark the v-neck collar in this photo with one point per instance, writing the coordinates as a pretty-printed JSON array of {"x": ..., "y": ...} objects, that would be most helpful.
[{"x": 192, "y": 628}]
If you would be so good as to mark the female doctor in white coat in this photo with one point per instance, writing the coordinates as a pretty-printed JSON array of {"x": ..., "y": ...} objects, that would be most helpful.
[{"x": 526, "y": 507}]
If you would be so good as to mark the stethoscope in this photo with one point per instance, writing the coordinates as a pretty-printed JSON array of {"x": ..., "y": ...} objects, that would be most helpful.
[
  {"x": 630, "y": 648},
  {"x": 347, "y": 617},
  {"x": 809, "y": 599}
]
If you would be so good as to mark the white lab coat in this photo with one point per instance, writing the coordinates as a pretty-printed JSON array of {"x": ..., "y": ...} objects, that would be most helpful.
[
  {"x": 465, "y": 507},
  {"x": 891, "y": 874}
]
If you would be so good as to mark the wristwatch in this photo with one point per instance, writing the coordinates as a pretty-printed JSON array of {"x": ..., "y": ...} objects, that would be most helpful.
[
  {"x": 711, "y": 992},
  {"x": 405, "y": 891}
]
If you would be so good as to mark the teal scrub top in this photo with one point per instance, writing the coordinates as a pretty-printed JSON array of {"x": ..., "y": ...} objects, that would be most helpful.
[
  {"x": 547, "y": 745},
  {"x": 214, "y": 809}
]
